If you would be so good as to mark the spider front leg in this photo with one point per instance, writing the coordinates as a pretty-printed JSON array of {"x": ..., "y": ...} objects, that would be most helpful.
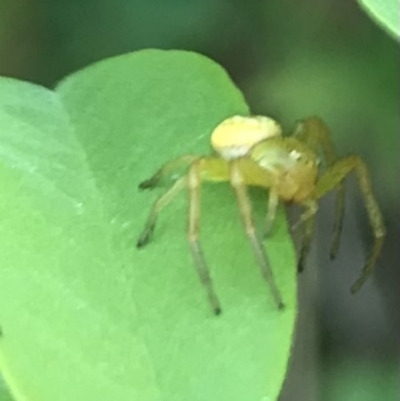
[
  {"x": 314, "y": 132},
  {"x": 239, "y": 186},
  {"x": 311, "y": 209},
  {"x": 192, "y": 182},
  {"x": 333, "y": 177},
  {"x": 194, "y": 185},
  {"x": 166, "y": 170},
  {"x": 308, "y": 235},
  {"x": 156, "y": 208},
  {"x": 306, "y": 219},
  {"x": 273, "y": 202}
]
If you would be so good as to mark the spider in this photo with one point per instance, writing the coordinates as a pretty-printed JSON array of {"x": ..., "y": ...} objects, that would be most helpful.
[{"x": 251, "y": 151}]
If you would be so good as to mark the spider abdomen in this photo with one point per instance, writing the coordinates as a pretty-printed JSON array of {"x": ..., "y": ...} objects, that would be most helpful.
[{"x": 234, "y": 137}]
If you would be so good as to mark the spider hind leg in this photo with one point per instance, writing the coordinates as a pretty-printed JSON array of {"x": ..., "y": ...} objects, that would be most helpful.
[
  {"x": 334, "y": 176},
  {"x": 315, "y": 133}
]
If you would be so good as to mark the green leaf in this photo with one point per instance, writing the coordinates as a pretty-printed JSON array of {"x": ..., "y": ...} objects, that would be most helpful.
[
  {"x": 4, "y": 394},
  {"x": 386, "y": 13},
  {"x": 85, "y": 315}
]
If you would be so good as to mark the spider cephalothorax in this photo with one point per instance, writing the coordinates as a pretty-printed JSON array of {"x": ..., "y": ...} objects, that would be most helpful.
[{"x": 251, "y": 151}]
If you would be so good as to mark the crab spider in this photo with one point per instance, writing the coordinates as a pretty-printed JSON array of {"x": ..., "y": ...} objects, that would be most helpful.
[{"x": 251, "y": 151}]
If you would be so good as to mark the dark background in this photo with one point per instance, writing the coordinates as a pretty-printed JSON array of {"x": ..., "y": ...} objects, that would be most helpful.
[{"x": 292, "y": 59}]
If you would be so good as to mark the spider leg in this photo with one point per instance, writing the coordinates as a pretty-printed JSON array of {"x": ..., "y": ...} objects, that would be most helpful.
[
  {"x": 314, "y": 132},
  {"x": 245, "y": 209},
  {"x": 157, "y": 206},
  {"x": 309, "y": 229},
  {"x": 307, "y": 218},
  {"x": 167, "y": 169},
  {"x": 194, "y": 186},
  {"x": 311, "y": 209},
  {"x": 334, "y": 176},
  {"x": 273, "y": 202}
]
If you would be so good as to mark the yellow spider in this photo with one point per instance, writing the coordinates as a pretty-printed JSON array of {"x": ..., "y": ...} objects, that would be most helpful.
[{"x": 251, "y": 151}]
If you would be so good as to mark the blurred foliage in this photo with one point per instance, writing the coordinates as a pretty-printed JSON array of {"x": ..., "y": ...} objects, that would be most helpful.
[
  {"x": 360, "y": 380},
  {"x": 386, "y": 13}
]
